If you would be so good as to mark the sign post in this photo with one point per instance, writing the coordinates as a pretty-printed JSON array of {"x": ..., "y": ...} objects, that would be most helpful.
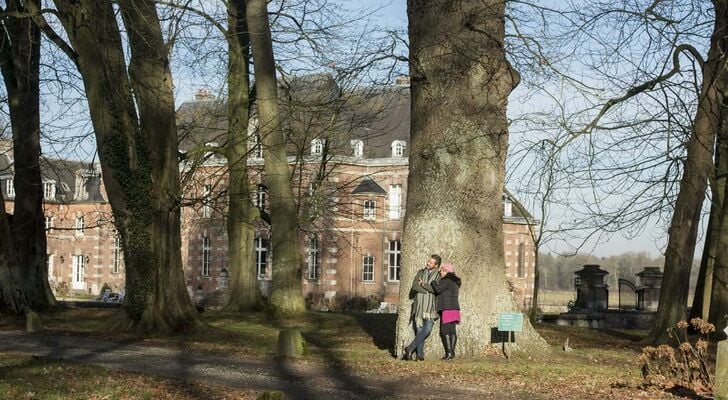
[{"x": 509, "y": 323}]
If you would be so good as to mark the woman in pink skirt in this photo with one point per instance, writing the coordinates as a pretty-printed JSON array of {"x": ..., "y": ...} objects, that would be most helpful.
[{"x": 447, "y": 291}]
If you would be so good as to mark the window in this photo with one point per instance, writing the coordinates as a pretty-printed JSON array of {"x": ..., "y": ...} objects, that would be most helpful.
[
  {"x": 79, "y": 271},
  {"x": 398, "y": 149},
  {"x": 257, "y": 147},
  {"x": 206, "y": 201},
  {"x": 395, "y": 201},
  {"x": 521, "y": 260},
  {"x": 358, "y": 147},
  {"x": 49, "y": 190},
  {"x": 260, "y": 197},
  {"x": 317, "y": 147},
  {"x": 80, "y": 225},
  {"x": 117, "y": 254},
  {"x": 313, "y": 257},
  {"x": 261, "y": 257},
  {"x": 48, "y": 224},
  {"x": 368, "y": 269},
  {"x": 50, "y": 267},
  {"x": 507, "y": 207},
  {"x": 395, "y": 259},
  {"x": 10, "y": 187},
  {"x": 370, "y": 210},
  {"x": 206, "y": 255}
]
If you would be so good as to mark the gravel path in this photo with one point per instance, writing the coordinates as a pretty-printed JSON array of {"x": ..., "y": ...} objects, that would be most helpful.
[{"x": 298, "y": 379}]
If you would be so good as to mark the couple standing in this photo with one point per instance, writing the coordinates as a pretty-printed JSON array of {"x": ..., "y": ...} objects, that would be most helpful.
[{"x": 436, "y": 291}]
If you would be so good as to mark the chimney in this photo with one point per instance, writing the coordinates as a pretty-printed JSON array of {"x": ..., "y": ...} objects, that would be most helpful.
[
  {"x": 6, "y": 148},
  {"x": 402, "y": 80},
  {"x": 204, "y": 95}
]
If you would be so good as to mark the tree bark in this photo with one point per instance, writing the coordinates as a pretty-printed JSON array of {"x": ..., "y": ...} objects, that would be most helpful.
[
  {"x": 460, "y": 86},
  {"x": 697, "y": 170},
  {"x": 138, "y": 153},
  {"x": 20, "y": 58},
  {"x": 287, "y": 293},
  {"x": 244, "y": 293},
  {"x": 12, "y": 298}
]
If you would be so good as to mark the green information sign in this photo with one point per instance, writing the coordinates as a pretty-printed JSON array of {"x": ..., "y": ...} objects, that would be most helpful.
[{"x": 510, "y": 322}]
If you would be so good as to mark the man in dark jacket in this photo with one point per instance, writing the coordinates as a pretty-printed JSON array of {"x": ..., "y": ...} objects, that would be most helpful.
[{"x": 423, "y": 308}]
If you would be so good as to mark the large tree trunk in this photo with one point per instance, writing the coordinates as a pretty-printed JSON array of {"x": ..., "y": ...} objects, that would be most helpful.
[
  {"x": 698, "y": 167},
  {"x": 138, "y": 154},
  {"x": 287, "y": 293},
  {"x": 244, "y": 293},
  {"x": 12, "y": 299},
  {"x": 20, "y": 58},
  {"x": 460, "y": 86},
  {"x": 704, "y": 284}
]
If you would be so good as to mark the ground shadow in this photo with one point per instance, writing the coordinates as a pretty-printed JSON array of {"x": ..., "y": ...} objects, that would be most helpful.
[{"x": 380, "y": 327}]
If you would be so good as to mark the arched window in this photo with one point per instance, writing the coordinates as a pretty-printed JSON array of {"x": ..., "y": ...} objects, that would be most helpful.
[
  {"x": 317, "y": 147},
  {"x": 398, "y": 148},
  {"x": 358, "y": 147}
]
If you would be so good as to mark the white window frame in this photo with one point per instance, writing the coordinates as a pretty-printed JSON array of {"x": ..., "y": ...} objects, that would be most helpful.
[
  {"x": 10, "y": 187},
  {"x": 367, "y": 268},
  {"x": 507, "y": 207},
  {"x": 50, "y": 267},
  {"x": 116, "y": 249},
  {"x": 206, "y": 201},
  {"x": 206, "y": 255},
  {"x": 257, "y": 147},
  {"x": 395, "y": 201},
  {"x": 261, "y": 257},
  {"x": 49, "y": 190},
  {"x": 370, "y": 210},
  {"x": 48, "y": 224},
  {"x": 80, "y": 225},
  {"x": 79, "y": 272},
  {"x": 260, "y": 197},
  {"x": 395, "y": 261},
  {"x": 398, "y": 147},
  {"x": 317, "y": 147},
  {"x": 314, "y": 262},
  {"x": 358, "y": 147}
]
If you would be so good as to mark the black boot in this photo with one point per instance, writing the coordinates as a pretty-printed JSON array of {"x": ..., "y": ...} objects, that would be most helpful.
[
  {"x": 407, "y": 353},
  {"x": 453, "y": 343},
  {"x": 447, "y": 339},
  {"x": 445, "y": 346}
]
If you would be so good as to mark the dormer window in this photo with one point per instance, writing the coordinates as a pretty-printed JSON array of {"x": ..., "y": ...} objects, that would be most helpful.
[
  {"x": 317, "y": 147},
  {"x": 507, "y": 207},
  {"x": 358, "y": 147},
  {"x": 398, "y": 148},
  {"x": 49, "y": 190},
  {"x": 81, "y": 191},
  {"x": 10, "y": 187}
]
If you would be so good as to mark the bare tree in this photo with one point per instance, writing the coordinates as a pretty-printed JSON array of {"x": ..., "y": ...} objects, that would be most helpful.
[
  {"x": 19, "y": 62},
  {"x": 132, "y": 111},
  {"x": 460, "y": 86}
]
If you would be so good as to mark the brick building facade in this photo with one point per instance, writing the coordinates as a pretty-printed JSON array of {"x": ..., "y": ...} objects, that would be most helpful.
[{"x": 351, "y": 219}]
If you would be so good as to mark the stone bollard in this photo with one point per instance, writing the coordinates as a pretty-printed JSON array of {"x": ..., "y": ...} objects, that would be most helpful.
[
  {"x": 32, "y": 322},
  {"x": 290, "y": 343},
  {"x": 720, "y": 391}
]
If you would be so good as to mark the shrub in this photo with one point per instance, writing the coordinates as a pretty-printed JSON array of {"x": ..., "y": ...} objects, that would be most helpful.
[{"x": 685, "y": 365}]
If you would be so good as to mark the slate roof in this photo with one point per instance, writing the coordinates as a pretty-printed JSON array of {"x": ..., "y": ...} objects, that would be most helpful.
[
  {"x": 63, "y": 173},
  {"x": 367, "y": 186},
  {"x": 314, "y": 107}
]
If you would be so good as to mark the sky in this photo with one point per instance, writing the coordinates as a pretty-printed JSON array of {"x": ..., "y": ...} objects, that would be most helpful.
[
  {"x": 391, "y": 14},
  {"x": 651, "y": 238}
]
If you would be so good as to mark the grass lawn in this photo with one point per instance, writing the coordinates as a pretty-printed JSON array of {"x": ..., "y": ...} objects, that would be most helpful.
[{"x": 602, "y": 365}]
